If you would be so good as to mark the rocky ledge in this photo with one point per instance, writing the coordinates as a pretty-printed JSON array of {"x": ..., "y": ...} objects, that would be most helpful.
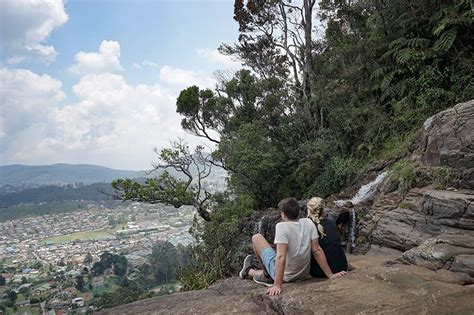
[{"x": 377, "y": 284}]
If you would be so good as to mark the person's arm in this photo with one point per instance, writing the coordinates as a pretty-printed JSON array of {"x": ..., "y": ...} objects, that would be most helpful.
[
  {"x": 320, "y": 257},
  {"x": 280, "y": 263}
]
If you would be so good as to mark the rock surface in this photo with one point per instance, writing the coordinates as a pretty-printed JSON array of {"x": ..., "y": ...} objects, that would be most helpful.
[
  {"x": 422, "y": 214},
  {"x": 377, "y": 285},
  {"x": 448, "y": 140}
]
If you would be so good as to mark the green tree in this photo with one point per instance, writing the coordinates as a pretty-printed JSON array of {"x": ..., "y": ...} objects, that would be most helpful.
[
  {"x": 120, "y": 265},
  {"x": 11, "y": 294},
  {"x": 3, "y": 281},
  {"x": 164, "y": 262},
  {"x": 80, "y": 283},
  {"x": 88, "y": 258},
  {"x": 195, "y": 166}
]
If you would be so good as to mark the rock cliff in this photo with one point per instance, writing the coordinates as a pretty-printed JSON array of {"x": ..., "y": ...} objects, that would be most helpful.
[{"x": 418, "y": 243}]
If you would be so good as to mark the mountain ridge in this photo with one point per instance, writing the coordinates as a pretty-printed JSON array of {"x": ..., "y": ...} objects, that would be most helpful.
[{"x": 61, "y": 173}]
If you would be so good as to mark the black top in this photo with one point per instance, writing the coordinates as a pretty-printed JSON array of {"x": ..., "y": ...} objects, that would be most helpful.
[{"x": 331, "y": 245}]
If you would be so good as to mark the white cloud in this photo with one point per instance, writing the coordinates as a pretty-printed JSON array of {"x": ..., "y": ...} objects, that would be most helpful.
[
  {"x": 117, "y": 120},
  {"x": 27, "y": 99},
  {"x": 180, "y": 78},
  {"x": 106, "y": 60},
  {"x": 25, "y": 27},
  {"x": 216, "y": 57},
  {"x": 112, "y": 123},
  {"x": 149, "y": 63},
  {"x": 145, "y": 63}
]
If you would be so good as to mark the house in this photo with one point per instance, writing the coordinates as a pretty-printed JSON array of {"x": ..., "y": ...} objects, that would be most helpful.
[
  {"x": 43, "y": 289},
  {"x": 8, "y": 277},
  {"x": 22, "y": 303},
  {"x": 77, "y": 302},
  {"x": 98, "y": 282}
]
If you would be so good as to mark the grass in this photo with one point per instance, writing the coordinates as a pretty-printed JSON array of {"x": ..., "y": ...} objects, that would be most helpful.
[
  {"x": 24, "y": 310},
  {"x": 88, "y": 235},
  {"x": 110, "y": 283}
]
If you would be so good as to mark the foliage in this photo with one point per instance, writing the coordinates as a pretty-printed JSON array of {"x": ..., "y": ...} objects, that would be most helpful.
[
  {"x": 164, "y": 261},
  {"x": 404, "y": 176},
  {"x": 108, "y": 260},
  {"x": 307, "y": 115},
  {"x": 54, "y": 193},
  {"x": 443, "y": 177},
  {"x": 80, "y": 283},
  {"x": 165, "y": 188},
  {"x": 120, "y": 296},
  {"x": 337, "y": 174},
  {"x": 218, "y": 251}
]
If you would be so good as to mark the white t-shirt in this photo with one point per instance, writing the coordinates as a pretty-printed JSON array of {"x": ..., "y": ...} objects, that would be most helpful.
[{"x": 298, "y": 236}]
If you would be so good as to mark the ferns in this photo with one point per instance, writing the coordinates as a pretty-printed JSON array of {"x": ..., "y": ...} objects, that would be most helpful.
[{"x": 446, "y": 40}]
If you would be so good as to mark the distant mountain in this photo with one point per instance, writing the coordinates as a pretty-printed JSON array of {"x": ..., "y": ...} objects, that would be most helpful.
[{"x": 61, "y": 174}]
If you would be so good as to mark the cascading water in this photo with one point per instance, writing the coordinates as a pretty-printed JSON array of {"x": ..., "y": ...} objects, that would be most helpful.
[
  {"x": 352, "y": 231},
  {"x": 365, "y": 191},
  {"x": 362, "y": 194},
  {"x": 258, "y": 228}
]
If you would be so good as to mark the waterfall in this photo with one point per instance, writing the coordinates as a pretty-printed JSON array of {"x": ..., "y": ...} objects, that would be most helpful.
[
  {"x": 365, "y": 191},
  {"x": 352, "y": 231},
  {"x": 258, "y": 228},
  {"x": 362, "y": 194}
]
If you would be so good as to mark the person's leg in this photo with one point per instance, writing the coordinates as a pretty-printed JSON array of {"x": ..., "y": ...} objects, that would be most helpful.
[{"x": 260, "y": 245}]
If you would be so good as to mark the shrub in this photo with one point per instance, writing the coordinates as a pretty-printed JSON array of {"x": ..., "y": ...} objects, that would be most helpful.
[
  {"x": 403, "y": 176},
  {"x": 219, "y": 243},
  {"x": 337, "y": 173}
]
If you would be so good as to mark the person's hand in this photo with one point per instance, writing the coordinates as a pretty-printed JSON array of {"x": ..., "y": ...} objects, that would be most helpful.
[
  {"x": 338, "y": 275},
  {"x": 275, "y": 290}
]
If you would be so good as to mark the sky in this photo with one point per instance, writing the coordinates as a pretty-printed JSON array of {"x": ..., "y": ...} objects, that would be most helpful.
[{"x": 96, "y": 81}]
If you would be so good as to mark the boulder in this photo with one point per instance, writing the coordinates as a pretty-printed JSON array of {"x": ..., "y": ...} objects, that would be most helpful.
[
  {"x": 451, "y": 252},
  {"x": 450, "y": 208},
  {"x": 448, "y": 140},
  {"x": 402, "y": 229},
  {"x": 423, "y": 214}
]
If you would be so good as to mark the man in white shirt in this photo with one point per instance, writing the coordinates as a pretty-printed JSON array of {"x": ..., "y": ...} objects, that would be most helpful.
[{"x": 295, "y": 240}]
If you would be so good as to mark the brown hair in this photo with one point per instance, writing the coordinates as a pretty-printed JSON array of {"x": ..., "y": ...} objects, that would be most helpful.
[{"x": 290, "y": 207}]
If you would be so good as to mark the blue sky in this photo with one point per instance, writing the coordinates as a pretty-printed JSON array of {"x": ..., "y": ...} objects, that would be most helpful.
[{"x": 95, "y": 81}]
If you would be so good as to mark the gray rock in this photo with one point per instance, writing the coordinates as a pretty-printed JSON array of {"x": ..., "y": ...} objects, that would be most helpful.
[
  {"x": 376, "y": 286},
  {"x": 440, "y": 252},
  {"x": 448, "y": 140},
  {"x": 426, "y": 213},
  {"x": 403, "y": 229},
  {"x": 463, "y": 263},
  {"x": 449, "y": 208}
]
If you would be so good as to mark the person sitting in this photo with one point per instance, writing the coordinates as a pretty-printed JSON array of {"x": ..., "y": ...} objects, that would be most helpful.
[
  {"x": 295, "y": 240},
  {"x": 329, "y": 241}
]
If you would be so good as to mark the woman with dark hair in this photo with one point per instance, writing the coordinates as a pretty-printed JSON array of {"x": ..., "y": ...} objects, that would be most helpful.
[{"x": 329, "y": 240}]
